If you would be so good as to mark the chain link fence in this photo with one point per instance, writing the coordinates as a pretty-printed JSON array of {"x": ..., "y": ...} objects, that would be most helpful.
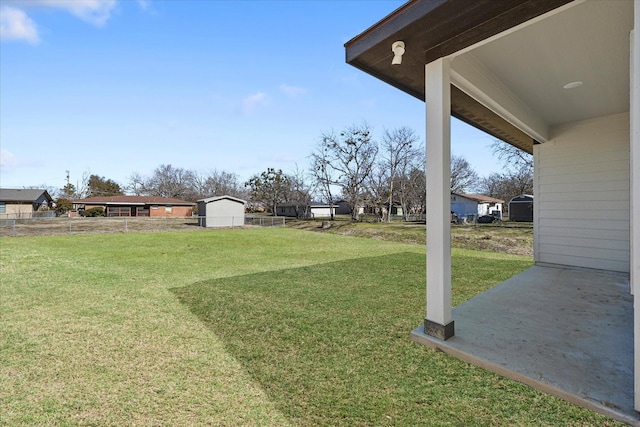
[
  {"x": 264, "y": 221},
  {"x": 79, "y": 225}
]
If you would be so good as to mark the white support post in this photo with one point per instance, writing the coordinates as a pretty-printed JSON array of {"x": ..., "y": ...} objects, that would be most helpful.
[
  {"x": 634, "y": 118},
  {"x": 438, "y": 321}
]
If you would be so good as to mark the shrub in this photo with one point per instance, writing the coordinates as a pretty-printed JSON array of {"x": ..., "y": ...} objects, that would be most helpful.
[
  {"x": 63, "y": 205},
  {"x": 97, "y": 211}
]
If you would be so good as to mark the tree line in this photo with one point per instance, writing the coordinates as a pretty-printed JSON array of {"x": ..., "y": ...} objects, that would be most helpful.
[{"x": 349, "y": 165}]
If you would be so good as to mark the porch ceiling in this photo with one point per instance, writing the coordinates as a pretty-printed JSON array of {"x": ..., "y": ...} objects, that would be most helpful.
[{"x": 511, "y": 60}]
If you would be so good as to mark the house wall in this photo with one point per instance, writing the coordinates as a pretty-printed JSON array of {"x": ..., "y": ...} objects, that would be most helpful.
[
  {"x": 178, "y": 211},
  {"x": 581, "y": 213},
  {"x": 635, "y": 192},
  {"x": 312, "y": 211},
  {"x": 320, "y": 212},
  {"x": 286, "y": 211},
  {"x": 161, "y": 211},
  {"x": 462, "y": 206},
  {"x": 634, "y": 104},
  {"x": 487, "y": 208},
  {"x": 224, "y": 213},
  {"x": 42, "y": 200},
  {"x": 18, "y": 210},
  {"x": 342, "y": 208}
]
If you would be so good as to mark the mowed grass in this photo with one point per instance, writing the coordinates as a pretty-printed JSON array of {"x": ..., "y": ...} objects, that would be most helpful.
[
  {"x": 265, "y": 327},
  {"x": 505, "y": 237}
]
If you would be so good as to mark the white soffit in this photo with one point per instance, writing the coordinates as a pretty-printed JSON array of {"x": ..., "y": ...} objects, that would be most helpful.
[
  {"x": 472, "y": 77},
  {"x": 521, "y": 75}
]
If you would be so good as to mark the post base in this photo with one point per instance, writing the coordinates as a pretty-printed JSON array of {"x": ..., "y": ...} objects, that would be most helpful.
[{"x": 443, "y": 332}]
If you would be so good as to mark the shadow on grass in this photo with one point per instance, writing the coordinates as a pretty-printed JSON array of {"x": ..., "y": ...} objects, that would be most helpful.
[{"x": 328, "y": 343}]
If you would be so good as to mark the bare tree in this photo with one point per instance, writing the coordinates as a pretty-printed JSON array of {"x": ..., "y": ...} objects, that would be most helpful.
[
  {"x": 522, "y": 180},
  {"x": 508, "y": 185},
  {"x": 398, "y": 153},
  {"x": 78, "y": 191},
  {"x": 415, "y": 192},
  {"x": 410, "y": 188},
  {"x": 219, "y": 183},
  {"x": 517, "y": 177},
  {"x": 463, "y": 177},
  {"x": 323, "y": 174},
  {"x": 377, "y": 191},
  {"x": 300, "y": 191},
  {"x": 350, "y": 157},
  {"x": 512, "y": 157},
  {"x": 135, "y": 187},
  {"x": 169, "y": 181},
  {"x": 166, "y": 181}
]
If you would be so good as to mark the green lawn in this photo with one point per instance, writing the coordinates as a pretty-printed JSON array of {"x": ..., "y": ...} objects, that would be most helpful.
[{"x": 265, "y": 327}]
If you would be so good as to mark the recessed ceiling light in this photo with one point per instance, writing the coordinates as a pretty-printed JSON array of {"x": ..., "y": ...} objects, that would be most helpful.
[{"x": 572, "y": 85}]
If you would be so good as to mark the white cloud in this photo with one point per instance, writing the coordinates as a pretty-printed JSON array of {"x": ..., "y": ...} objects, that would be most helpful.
[
  {"x": 95, "y": 12},
  {"x": 16, "y": 25},
  {"x": 6, "y": 158},
  {"x": 144, "y": 4},
  {"x": 293, "y": 91},
  {"x": 254, "y": 100}
]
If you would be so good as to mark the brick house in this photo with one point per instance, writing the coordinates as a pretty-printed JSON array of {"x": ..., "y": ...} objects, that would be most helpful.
[{"x": 138, "y": 206}]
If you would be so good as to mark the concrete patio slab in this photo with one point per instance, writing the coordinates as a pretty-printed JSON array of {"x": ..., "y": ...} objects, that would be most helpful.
[{"x": 565, "y": 332}]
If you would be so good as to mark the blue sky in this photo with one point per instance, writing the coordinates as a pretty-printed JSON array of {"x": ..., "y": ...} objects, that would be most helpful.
[{"x": 117, "y": 87}]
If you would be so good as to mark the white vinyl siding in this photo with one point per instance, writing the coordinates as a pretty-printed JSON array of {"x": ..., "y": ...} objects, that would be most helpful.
[
  {"x": 221, "y": 212},
  {"x": 320, "y": 212},
  {"x": 581, "y": 208}
]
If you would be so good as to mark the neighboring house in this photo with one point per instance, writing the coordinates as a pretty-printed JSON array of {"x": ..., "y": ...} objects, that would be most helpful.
[
  {"x": 313, "y": 210},
  {"x": 343, "y": 208},
  {"x": 24, "y": 203},
  {"x": 380, "y": 210},
  {"x": 137, "y": 206},
  {"x": 396, "y": 209},
  {"x": 471, "y": 206},
  {"x": 558, "y": 79},
  {"x": 521, "y": 208},
  {"x": 221, "y": 211}
]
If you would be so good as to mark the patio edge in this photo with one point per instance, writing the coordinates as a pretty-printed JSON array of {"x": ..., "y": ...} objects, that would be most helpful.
[{"x": 417, "y": 335}]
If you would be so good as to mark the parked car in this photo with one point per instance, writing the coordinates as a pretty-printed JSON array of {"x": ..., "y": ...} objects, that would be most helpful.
[{"x": 486, "y": 219}]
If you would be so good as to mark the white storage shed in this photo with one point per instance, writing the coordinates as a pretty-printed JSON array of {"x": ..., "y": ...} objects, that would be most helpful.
[{"x": 221, "y": 211}]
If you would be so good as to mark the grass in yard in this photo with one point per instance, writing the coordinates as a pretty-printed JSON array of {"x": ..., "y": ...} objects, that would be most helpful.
[
  {"x": 241, "y": 327},
  {"x": 506, "y": 237},
  {"x": 328, "y": 343},
  {"x": 90, "y": 333}
]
